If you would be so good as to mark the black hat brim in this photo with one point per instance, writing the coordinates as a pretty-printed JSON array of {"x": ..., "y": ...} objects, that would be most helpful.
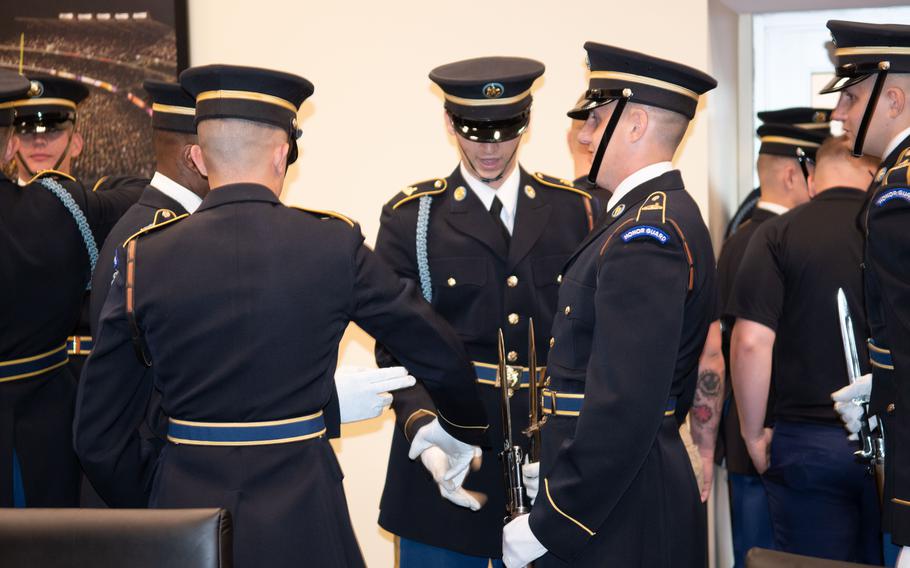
[
  {"x": 582, "y": 109},
  {"x": 50, "y": 119},
  {"x": 838, "y": 84},
  {"x": 491, "y": 131}
]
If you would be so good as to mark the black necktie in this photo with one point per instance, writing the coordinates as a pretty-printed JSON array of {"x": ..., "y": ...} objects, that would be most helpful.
[{"x": 495, "y": 210}]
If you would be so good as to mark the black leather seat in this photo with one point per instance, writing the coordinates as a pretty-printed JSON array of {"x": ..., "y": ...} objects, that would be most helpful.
[
  {"x": 105, "y": 538},
  {"x": 762, "y": 558}
]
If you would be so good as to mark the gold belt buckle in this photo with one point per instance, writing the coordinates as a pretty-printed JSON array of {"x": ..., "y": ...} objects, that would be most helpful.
[{"x": 552, "y": 396}]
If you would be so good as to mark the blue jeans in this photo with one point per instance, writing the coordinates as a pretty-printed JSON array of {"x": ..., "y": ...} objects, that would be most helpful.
[
  {"x": 750, "y": 517},
  {"x": 413, "y": 554},
  {"x": 823, "y": 503}
]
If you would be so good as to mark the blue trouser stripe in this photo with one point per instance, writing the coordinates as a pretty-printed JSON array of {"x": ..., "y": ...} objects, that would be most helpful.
[
  {"x": 18, "y": 485},
  {"x": 413, "y": 554}
]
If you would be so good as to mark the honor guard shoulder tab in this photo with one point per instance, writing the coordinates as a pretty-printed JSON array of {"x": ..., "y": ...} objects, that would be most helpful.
[
  {"x": 324, "y": 214},
  {"x": 433, "y": 186},
  {"x": 163, "y": 217},
  {"x": 560, "y": 183},
  {"x": 51, "y": 174}
]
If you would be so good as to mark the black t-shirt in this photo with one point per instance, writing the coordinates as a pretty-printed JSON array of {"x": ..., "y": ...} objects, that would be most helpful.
[
  {"x": 730, "y": 445},
  {"x": 788, "y": 281},
  {"x": 731, "y": 254}
]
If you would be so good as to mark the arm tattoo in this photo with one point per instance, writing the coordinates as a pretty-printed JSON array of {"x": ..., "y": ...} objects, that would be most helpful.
[
  {"x": 708, "y": 383},
  {"x": 704, "y": 415}
]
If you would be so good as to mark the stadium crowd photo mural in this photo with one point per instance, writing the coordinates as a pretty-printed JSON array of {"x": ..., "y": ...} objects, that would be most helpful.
[{"x": 110, "y": 46}]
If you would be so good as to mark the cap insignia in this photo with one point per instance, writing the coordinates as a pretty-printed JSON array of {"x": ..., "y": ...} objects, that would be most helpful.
[
  {"x": 35, "y": 89},
  {"x": 493, "y": 90}
]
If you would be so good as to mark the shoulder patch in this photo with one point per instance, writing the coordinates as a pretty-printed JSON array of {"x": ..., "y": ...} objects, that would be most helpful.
[
  {"x": 559, "y": 183},
  {"x": 324, "y": 214},
  {"x": 654, "y": 206},
  {"x": 163, "y": 217},
  {"x": 98, "y": 183},
  {"x": 51, "y": 173},
  {"x": 418, "y": 190},
  {"x": 891, "y": 194}
]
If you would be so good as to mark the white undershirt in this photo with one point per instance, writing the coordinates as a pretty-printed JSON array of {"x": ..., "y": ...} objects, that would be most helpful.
[
  {"x": 637, "y": 178},
  {"x": 507, "y": 193},
  {"x": 775, "y": 208},
  {"x": 895, "y": 141},
  {"x": 189, "y": 200}
]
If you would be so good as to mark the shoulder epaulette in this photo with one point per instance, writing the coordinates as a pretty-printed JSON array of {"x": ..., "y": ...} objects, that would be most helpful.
[
  {"x": 51, "y": 173},
  {"x": 98, "y": 183},
  {"x": 654, "y": 207},
  {"x": 559, "y": 183},
  {"x": 900, "y": 173},
  {"x": 163, "y": 217},
  {"x": 433, "y": 186},
  {"x": 652, "y": 224},
  {"x": 325, "y": 214}
]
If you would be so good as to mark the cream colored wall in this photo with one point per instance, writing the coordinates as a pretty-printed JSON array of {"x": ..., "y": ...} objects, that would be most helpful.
[{"x": 375, "y": 124}]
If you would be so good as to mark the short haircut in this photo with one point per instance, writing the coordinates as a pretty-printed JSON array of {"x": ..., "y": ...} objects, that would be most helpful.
[
  {"x": 839, "y": 149},
  {"x": 238, "y": 145}
]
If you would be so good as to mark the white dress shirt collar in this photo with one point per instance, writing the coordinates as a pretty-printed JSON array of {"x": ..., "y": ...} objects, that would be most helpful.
[
  {"x": 775, "y": 208},
  {"x": 637, "y": 178},
  {"x": 895, "y": 141},
  {"x": 507, "y": 193},
  {"x": 186, "y": 198}
]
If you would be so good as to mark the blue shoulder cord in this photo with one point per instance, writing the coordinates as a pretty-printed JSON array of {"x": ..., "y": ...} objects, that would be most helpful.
[
  {"x": 423, "y": 264},
  {"x": 91, "y": 248}
]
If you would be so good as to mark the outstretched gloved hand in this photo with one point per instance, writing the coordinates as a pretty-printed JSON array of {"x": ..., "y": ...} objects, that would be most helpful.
[{"x": 364, "y": 393}]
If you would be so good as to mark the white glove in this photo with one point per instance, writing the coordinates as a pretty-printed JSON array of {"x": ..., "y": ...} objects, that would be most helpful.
[
  {"x": 519, "y": 545},
  {"x": 848, "y": 402},
  {"x": 458, "y": 453},
  {"x": 364, "y": 393},
  {"x": 903, "y": 558},
  {"x": 530, "y": 473},
  {"x": 437, "y": 463}
]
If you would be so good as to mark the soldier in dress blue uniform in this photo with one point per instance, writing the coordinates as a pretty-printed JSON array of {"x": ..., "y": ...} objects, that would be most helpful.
[
  {"x": 634, "y": 307},
  {"x": 177, "y": 188},
  {"x": 238, "y": 309},
  {"x": 873, "y": 78},
  {"x": 49, "y": 139},
  {"x": 50, "y": 229},
  {"x": 46, "y": 126},
  {"x": 486, "y": 245}
]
